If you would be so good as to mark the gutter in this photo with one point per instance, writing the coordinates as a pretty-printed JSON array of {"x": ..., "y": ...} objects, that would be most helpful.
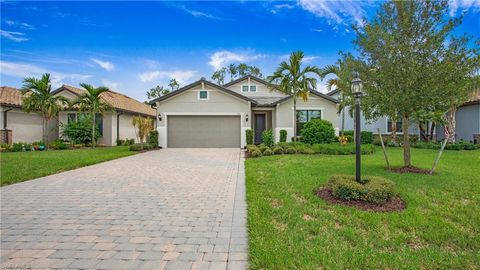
[{"x": 118, "y": 125}]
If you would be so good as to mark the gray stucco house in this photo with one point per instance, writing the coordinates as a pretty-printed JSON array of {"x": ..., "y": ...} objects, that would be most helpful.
[{"x": 204, "y": 114}]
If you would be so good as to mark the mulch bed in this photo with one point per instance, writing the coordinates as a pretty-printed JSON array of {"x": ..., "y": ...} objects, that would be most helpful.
[
  {"x": 396, "y": 204},
  {"x": 410, "y": 169}
]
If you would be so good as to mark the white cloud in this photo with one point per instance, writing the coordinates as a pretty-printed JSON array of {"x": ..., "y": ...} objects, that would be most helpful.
[
  {"x": 111, "y": 85},
  {"x": 277, "y": 8},
  {"x": 318, "y": 30},
  {"x": 22, "y": 25},
  {"x": 463, "y": 5},
  {"x": 15, "y": 36},
  {"x": 222, "y": 58},
  {"x": 181, "y": 76},
  {"x": 339, "y": 12},
  {"x": 199, "y": 14},
  {"x": 22, "y": 70},
  {"x": 108, "y": 66}
]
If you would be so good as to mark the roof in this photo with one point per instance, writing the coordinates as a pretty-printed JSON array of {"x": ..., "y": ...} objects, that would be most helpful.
[
  {"x": 202, "y": 80},
  {"x": 267, "y": 101},
  {"x": 246, "y": 77},
  {"x": 318, "y": 94},
  {"x": 474, "y": 98},
  {"x": 333, "y": 92},
  {"x": 10, "y": 96},
  {"x": 117, "y": 100}
]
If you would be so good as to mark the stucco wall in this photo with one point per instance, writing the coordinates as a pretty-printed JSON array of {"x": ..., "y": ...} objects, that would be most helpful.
[
  {"x": 262, "y": 89},
  {"x": 127, "y": 130},
  {"x": 467, "y": 123},
  {"x": 26, "y": 127}
]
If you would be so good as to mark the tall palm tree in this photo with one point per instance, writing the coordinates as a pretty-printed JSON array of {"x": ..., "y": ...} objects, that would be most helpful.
[
  {"x": 91, "y": 102},
  {"x": 294, "y": 80},
  {"x": 38, "y": 97}
]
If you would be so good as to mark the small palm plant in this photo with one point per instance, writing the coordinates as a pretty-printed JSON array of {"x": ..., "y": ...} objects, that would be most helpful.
[
  {"x": 91, "y": 102},
  {"x": 143, "y": 126},
  {"x": 294, "y": 80},
  {"x": 38, "y": 97}
]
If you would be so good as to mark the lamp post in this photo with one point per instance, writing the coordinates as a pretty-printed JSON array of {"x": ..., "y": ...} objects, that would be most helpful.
[{"x": 357, "y": 87}]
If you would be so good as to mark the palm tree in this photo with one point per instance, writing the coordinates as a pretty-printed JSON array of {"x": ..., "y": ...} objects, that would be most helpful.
[
  {"x": 143, "y": 125},
  {"x": 233, "y": 70},
  {"x": 38, "y": 97},
  {"x": 91, "y": 102},
  {"x": 294, "y": 80}
]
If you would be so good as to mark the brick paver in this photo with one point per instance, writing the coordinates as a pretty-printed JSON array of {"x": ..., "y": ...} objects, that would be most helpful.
[{"x": 166, "y": 209}]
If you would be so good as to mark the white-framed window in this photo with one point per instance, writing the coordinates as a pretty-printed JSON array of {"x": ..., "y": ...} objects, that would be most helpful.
[
  {"x": 304, "y": 116},
  {"x": 203, "y": 95},
  {"x": 244, "y": 88},
  {"x": 253, "y": 88},
  {"x": 249, "y": 88}
]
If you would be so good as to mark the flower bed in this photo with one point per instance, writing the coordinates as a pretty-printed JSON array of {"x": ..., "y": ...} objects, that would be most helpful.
[{"x": 302, "y": 148}]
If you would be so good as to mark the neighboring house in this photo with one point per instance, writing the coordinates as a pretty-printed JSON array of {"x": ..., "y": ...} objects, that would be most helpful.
[
  {"x": 17, "y": 125},
  {"x": 114, "y": 125},
  {"x": 467, "y": 121},
  {"x": 27, "y": 127},
  {"x": 382, "y": 123},
  {"x": 204, "y": 114}
]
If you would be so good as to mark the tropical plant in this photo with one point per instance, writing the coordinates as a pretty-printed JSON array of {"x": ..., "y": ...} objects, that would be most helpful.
[
  {"x": 143, "y": 126},
  {"x": 219, "y": 76},
  {"x": 91, "y": 102},
  {"x": 80, "y": 131},
  {"x": 233, "y": 71},
  {"x": 38, "y": 97},
  {"x": 173, "y": 84},
  {"x": 318, "y": 131},
  {"x": 157, "y": 92},
  {"x": 294, "y": 80}
]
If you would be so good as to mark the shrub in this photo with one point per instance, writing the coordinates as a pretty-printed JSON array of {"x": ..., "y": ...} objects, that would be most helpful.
[
  {"x": 366, "y": 137},
  {"x": 135, "y": 147},
  {"x": 256, "y": 153},
  {"x": 267, "y": 137},
  {"x": 283, "y": 145},
  {"x": 375, "y": 189},
  {"x": 251, "y": 148},
  {"x": 268, "y": 152},
  {"x": 120, "y": 142},
  {"x": 153, "y": 138},
  {"x": 5, "y": 147},
  {"x": 17, "y": 147},
  {"x": 249, "y": 136},
  {"x": 80, "y": 131},
  {"x": 283, "y": 135},
  {"x": 290, "y": 150},
  {"x": 262, "y": 147},
  {"x": 59, "y": 145},
  {"x": 277, "y": 150},
  {"x": 129, "y": 141},
  {"x": 318, "y": 131}
]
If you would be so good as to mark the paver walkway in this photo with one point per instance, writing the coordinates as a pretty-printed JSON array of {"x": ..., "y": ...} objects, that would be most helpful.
[{"x": 168, "y": 209}]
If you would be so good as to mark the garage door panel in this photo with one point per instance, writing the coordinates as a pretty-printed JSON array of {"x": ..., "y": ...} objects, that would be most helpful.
[{"x": 203, "y": 131}]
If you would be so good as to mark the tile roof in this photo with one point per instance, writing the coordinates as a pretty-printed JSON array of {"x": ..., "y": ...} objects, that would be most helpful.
[
  {"x": 10, "y": 96},
  {"x": 117, "y": 100}
]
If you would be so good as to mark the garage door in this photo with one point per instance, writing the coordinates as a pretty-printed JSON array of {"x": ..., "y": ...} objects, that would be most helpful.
[{"x": 203, "y": 131}]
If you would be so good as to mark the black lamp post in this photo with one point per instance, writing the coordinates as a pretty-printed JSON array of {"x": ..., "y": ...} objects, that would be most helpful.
[{"x": 357, "y": 87}]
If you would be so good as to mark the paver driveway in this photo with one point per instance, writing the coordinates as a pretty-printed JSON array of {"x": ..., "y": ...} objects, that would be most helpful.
[{"x": 167, "y": 209}]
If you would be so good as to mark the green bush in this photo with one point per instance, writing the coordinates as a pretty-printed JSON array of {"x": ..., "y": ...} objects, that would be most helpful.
[
  {"x": 256, "y": 153},
  {"x": 249, "y": 136},
  {"x": 268, "y": 152},
  {"x": 283, "y": 135},
  {"x": 17, "y": 147},
  {"x": 80, "y": 131},
  {"x": 267, "y": 137},
  {"x": 366, "y": 137},
  {"x": 153, "y": 138},
  {"x": 5, "y": 147},
  {"x": 277, "y": 150},
  {"x": 290, "y": 150},
  {"x": 120, "y": 142},
  {"x": 58, "y": 145},
  {"x": 318, "y": 131},
  {"x": 262, "y": 147},
  {"x": 374, "y": 189},
  {"x": 129, "y": 141},
  {"x": 251, "y": 148},
  {"x": 135, "y": 147}
]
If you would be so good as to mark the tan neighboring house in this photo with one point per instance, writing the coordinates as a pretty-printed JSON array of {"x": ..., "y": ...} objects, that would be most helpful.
[
  {"x": 27, "y": 127},
  {"x": 204, "y": 114}
]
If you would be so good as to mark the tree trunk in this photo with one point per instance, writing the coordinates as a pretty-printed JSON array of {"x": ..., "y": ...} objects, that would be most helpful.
[
  {"x": 437, "y": 159},
  {"x": 406, "y": 143},
  {"x": 44, "y": 131},
  {"x": 93, "y": 130},
  {"x": 343, "y": 120},
  {"x": 294, "y": 118},
  {"x": 451, "y": 123},
  {"x": 384, "y": 150},
  {"x": 394, "y": 130},
  {"x": 432, "y": 130}
]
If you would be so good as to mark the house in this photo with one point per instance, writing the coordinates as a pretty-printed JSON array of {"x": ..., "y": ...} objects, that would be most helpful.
[
  {"x": 204, "y": 114},
  {"x": 27, "y": 127},
  {"x": 467, "y": 121},
  {"x": 382, "y": 123}
]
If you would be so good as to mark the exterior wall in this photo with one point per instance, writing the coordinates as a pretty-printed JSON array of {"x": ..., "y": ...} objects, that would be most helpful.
[
  {"x": 127, "y": 130},
  {"x": 187, "y": 103},
  {"x": 285, "y": 117},
  {"x": 262, "y": 89},
  {"x": 109, "y": 131},
  {"x": 26, "y": 127},
  {"x": 467, "y": 123}
]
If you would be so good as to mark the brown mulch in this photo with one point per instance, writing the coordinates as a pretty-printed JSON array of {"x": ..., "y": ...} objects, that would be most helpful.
[
  {"x": 396, "y": 204},
  {"x": 410, "y": 169}
]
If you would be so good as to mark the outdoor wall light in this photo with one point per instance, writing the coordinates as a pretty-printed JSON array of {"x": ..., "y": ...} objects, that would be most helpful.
[
  {"x": 159, "y": 117},
  {"x": 246, "y": 117}
]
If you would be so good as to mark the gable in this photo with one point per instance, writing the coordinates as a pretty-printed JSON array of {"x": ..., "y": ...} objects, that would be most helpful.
[{"x": 262, "y": 89}]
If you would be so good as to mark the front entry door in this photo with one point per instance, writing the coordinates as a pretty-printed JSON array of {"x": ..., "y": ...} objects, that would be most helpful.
[{"x": 259, "y": 127}]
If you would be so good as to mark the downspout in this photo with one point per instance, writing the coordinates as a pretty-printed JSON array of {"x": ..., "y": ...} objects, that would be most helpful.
[
  {"x": 118, "y": 125},
  {"x": 5, "y": 118}
]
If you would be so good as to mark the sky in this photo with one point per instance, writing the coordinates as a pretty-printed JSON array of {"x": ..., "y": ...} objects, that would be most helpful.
[{"x": 131, "y": 47}]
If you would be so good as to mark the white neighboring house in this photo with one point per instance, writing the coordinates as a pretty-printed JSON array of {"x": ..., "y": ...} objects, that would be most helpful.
[
  {"x": 204, "y": 114},
  {"x": 27, "y": 127}
]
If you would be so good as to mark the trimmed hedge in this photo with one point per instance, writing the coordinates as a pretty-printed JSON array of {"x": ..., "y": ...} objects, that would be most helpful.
[
  {"x": 138, "y": 147},
  {"x": 153, "y": 138},
  {"x": 249, "y": 136},
  {"x": 267, "y": 137},
  {"x": 318, "y": 131},
  {"x": 283, "y": 135},
  {"x": 374, "y": 189},
  {"x": 303, "y": 148}
]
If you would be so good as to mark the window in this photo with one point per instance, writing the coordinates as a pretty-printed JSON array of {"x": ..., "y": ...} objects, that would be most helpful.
[
  {"x": 399, "y": 125},
  {"x": 304, "y": 116},
  {"x": 253, "y": 88},
  {"x": 203, "y": 95},
  {"x": 72, "y": 117},
  {"x": 244, "y": 88},
  {"x": 99, "y": 123}
]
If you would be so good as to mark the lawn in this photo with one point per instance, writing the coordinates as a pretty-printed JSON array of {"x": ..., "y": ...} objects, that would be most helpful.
[
  {"x": 291, "y": 228},
  {"x": 20, "y": 166}
]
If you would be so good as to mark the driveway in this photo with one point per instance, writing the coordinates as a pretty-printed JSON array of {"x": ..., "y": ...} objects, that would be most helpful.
[{"x": 166, "y": 209}]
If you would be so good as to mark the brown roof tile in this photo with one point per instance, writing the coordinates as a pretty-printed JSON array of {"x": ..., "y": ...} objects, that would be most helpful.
[{"x": 10, "y": 96}]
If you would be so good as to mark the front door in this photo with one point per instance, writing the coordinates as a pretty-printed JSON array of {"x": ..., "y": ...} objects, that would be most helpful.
[{"x": 259, "y": 127}]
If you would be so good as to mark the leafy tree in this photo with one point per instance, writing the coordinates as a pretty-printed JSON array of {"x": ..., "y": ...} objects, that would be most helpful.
[
  {"x": 143, "y": 126},
  {"x": 242, "y": 69},
  {"x": 219, "y": 76},
  {"x": 406, "y": 46},
  {"x": 80, "y": 131},
  {"x": 91, "y": 101},
  {"x": 38, "y": 97},
  {"x": 157, "y": 92},
  {"x": 295, "y": 80},
  {"x": 174, "y": 84},
  {"x": 233, "y": 71}
]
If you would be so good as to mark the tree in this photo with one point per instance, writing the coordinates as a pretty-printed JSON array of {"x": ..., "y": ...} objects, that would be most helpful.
[
  {"x": 91, "y": 101},
  {"x": 38, "y": 97},
  {"x": 404, "y": 46},
  {"x": 294, "y": 80},
  {"x": 173, "y": 84},
  {"x": 143, "y": 126},
  {"x": 232, "y": 70},
  {"x": 240, "y": 70},
  {"x": 219, "y": 76},
  {"x": 157, "y": 92}
]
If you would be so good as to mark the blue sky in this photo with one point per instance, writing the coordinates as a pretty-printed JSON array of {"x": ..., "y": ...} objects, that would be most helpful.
[{"x": 131, "y": 47}]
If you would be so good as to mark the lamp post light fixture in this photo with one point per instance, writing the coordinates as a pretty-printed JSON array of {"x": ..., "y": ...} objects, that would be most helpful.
[{"x": 357, "y": 87}]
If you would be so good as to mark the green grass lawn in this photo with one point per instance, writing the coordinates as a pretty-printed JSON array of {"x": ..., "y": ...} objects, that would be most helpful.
[
  {"x": 20, "y": 166},
  {"x": 291, "y": 228}
]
